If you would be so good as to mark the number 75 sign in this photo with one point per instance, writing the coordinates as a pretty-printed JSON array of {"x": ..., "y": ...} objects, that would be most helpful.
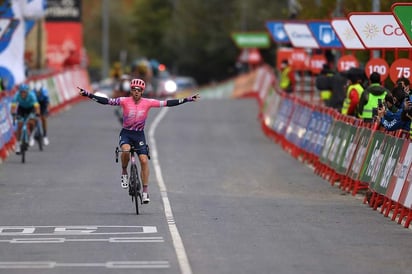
[{"x": 401, "y": 68}]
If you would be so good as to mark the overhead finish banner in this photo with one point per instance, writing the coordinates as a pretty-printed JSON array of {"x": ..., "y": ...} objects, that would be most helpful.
[
  {"x": 324, "y": 34},
  {"x": 346, "y": 34},
  {"x": 300, "y": 35},
  {"x": 403, "y": 14},
  {"x": 13, "y": 14},
  {"x": 378, "y": 30},
  {"x": 277, "y": 31},
  {"x": 245, "y": 40}
]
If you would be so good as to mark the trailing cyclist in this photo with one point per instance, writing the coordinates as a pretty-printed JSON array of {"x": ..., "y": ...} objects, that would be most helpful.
[
  {"x": 135, "y": 110},
  {"x": 24, "y": 104},
  {"x": 42, "y": 96}
]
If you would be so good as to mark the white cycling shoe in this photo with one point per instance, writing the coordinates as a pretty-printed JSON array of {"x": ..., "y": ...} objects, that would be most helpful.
[
  {"x": 46, "y": 141},
  {"x": 125, "y": 181},
  {"x": 17, "y": 148},
  {"x": 145, "y": 198},
  {"x": 31, "y": 141}
]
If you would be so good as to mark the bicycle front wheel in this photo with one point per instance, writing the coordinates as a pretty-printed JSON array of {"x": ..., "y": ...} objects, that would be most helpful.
[
  {"x": 134, "y": 183},
  {"x": 23, "y": 147}
]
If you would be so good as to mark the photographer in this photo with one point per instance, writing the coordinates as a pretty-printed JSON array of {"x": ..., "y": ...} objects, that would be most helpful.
[
  {"x": 392, "y": 115},
  {"x": 404, "y": 83}
]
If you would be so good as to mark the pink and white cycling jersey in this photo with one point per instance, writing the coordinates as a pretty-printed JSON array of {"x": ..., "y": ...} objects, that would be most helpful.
[{"x": 135, "y": 115}]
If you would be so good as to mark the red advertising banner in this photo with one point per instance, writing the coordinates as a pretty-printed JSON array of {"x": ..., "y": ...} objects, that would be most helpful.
[
  {"x": 400, "y": 173},
  {"x": 64, "y": 43}
]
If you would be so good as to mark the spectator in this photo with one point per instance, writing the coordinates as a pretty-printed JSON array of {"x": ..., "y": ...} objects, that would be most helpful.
[
  {"x": 338, "y": 84},
  {"x": 324, "y": 83},
  {"x": 405, "y": 84},
  {"x": 353, "y": 92},
  {"x": 370, "y": 98},
  {"x": 116, "y": 71},
  {"x": 393, "y": 116},
  {"x": 287, "y": 77}
]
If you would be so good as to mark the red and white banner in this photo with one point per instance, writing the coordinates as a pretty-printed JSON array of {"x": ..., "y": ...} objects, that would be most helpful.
[
  {"x": 64, "y": 48},
  {"x": 378, "y": 30},
  {"x": 346, "y": 34}
]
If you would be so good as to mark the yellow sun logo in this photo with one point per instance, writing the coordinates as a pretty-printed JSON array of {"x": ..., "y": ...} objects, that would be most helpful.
[
  {"x": 370, "y": 30},
  {"x": 349, "y": 34}
]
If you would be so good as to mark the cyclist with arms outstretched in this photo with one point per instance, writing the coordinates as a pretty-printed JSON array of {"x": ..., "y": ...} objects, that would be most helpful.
[{"x": 135, "y": 110}]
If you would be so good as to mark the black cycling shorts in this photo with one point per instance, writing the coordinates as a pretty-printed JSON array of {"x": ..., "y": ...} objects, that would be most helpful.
[
  {"x": 24, "y": 112},
  {"x": 43, "y": 108},
  {"x": 134, "y": 138}
]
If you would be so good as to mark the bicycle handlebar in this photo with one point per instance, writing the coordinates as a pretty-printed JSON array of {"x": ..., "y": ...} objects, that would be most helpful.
[
  {"x": 132, "y": 150},
  {"x": 24, "y": 118}
]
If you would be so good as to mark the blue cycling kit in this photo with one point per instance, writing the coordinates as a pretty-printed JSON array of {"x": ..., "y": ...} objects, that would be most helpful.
[{"x": 28, "y": 102}]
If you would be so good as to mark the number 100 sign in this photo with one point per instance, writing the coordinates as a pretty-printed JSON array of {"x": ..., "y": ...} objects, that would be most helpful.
[
  {"x": 401, "y": 68},
  {"x": 378, "y": 65}
]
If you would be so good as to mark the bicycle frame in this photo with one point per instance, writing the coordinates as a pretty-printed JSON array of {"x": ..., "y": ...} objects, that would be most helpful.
[
  {"x": 24, "y": 136},
  {"x": 38, "y": 133},
  {"x": 135, "y": 186}
]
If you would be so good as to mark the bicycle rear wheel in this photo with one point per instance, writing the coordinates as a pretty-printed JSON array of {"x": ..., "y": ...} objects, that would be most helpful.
[
  {"x": 134, "y": 182},
  {"x": 39, "y": 134}
]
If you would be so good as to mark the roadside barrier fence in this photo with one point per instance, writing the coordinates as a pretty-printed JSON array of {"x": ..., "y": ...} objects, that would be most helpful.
[{"x": 355, "y": 156}]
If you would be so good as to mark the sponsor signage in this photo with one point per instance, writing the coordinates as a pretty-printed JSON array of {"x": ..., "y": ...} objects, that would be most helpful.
[
  {"x": 378, "y": 65},
  {"x": 400, "y": 173},
  {"x": 346, "y": 34},
  {"x": 277, "y": 31},
  {"x": 316, "y": 63},
  {"x": 325, "y": 35},
  {"x": 61, "y": 44},
  {"x": 63, "y": 10},
  {"x": 401, "y": 68},
  {"x": 251, "y": 56},
  {"x": 391, "y": 152},
  {"x": 403, "y": 14},
  {"x": 251, "y": 39},
  {"x": 347, "y": 62},
  {"x": 378, "y": 30},
  {"x": 300, "y": 35}
]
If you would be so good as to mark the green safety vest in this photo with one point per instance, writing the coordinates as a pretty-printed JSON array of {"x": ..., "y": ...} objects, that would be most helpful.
[
  {"x": 372, "y": 103},
  {"x": 358, "y": 87},
  {"x": 284, "y": 78},
  {"x": 326, "y": 94}
]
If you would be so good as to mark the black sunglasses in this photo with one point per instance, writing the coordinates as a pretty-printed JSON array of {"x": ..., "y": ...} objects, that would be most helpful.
[{"x": 137, "y": 89}]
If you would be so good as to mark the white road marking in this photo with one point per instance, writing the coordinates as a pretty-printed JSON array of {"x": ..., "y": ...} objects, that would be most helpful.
[
  {"x": 74, "y": 230},
  {"x": 64, "y": 240},
  {"x": 111, "y": 265},
  {"x": 176, "y": 239}
]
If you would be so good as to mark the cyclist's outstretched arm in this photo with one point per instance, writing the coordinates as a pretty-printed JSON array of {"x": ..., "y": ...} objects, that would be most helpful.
[
  {"x": 98, "y": 99},
  {"x": 175, "y": 102}
]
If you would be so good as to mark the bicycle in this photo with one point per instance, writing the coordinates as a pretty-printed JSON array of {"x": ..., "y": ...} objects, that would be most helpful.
[
  {"x": 135, "y": 185},
  {"x": 38, "y": 133},
  {"x": 24, "y": 135}
]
